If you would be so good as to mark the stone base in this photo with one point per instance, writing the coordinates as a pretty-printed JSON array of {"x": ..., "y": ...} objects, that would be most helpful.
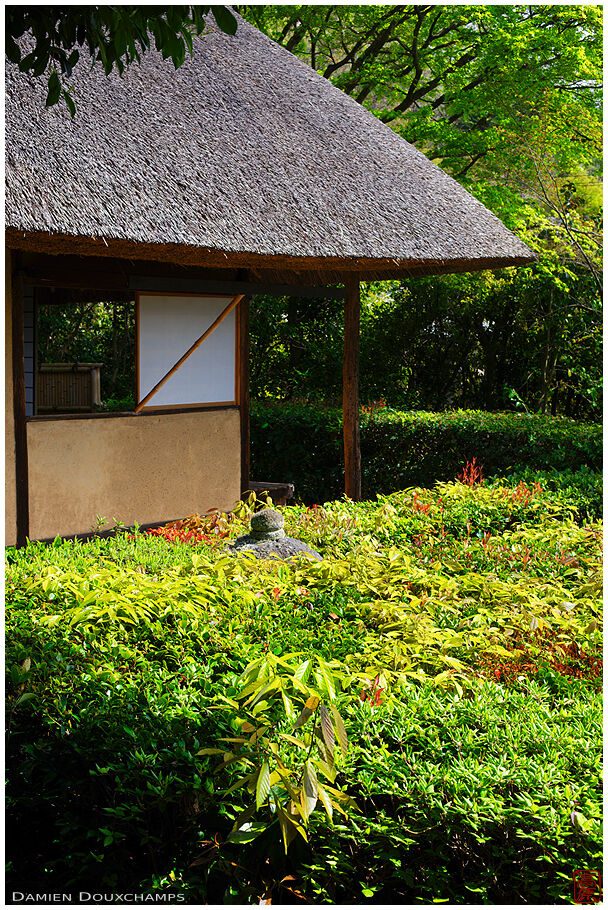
[{"x": 285, "y": 548}]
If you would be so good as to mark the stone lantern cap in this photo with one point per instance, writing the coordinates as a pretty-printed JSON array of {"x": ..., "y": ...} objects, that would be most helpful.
[
  {"x": 267, "y": 525},
  {"x": 268, "y": 540}
]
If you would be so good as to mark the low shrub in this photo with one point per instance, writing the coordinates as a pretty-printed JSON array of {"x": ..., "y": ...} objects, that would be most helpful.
[
  {"x": 466, "y": 800},
  {"x": 579, "y": 491},
  {"x": 303, "y": 445},
  {"x": 415, "y": 718}
]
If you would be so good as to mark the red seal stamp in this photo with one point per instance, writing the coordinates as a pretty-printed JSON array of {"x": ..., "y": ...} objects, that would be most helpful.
[{"x": 587, "y": 884}]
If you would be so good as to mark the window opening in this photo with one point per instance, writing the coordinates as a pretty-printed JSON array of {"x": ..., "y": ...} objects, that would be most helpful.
[
  {"x": 187, "y": 350},
  {"x": 85, "y": 352}
]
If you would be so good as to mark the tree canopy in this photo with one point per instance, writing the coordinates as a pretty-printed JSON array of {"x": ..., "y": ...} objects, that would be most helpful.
[
  {"x": 507, "y": 99},
  {"x": 114, "y": 36}
]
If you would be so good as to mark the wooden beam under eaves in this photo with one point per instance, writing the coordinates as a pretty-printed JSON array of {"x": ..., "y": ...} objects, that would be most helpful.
[{"x": 159, "y": 285}]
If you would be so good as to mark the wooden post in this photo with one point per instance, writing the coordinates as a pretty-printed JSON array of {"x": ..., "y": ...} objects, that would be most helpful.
[
  {"x": 21, "y": 460},
  {"x": 350, "y": 389},
  {"x": 244, "y": 391}
]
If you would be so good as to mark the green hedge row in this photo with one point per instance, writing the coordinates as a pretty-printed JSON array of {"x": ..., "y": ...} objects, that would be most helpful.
[{"x": 302, "y": 444}]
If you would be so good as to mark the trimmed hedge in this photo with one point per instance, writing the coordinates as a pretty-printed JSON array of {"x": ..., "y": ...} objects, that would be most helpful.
[{"x": 302, "y": 444}]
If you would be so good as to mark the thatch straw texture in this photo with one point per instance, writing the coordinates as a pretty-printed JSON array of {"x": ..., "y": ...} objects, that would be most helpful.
[{"x": 243, "y": 150}]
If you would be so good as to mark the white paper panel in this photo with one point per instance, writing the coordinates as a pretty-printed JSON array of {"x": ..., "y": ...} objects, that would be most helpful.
[{"x": 168, "y": 326}]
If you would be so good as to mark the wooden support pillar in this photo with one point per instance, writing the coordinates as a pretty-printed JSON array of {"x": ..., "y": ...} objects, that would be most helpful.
[
  {"x": 243, "y": 390},
  {"x": 21, "y": 460},
  {"x": 350, "y": 388}
]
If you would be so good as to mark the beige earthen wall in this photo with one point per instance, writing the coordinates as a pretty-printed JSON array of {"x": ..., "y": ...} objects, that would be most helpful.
[
  {"x": 10, "y": 505},
  {"x": 146, "y": 469}
]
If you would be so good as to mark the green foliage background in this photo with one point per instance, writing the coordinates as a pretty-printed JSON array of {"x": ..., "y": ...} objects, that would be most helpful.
[
  {"x": 512, "y": 340},
  {"x": 94, "y": 332}
]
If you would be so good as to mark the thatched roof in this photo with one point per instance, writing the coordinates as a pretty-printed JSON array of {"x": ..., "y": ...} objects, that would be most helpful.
[{"x": 243, "y": 153}]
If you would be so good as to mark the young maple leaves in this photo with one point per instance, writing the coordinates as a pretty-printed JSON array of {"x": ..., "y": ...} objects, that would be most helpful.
[
  {"x": 372, "y": 693},
  {"x": 287, "y": 772}
]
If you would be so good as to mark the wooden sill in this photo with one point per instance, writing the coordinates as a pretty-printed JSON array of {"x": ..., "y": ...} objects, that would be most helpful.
[{"x": 102, "y": 415}]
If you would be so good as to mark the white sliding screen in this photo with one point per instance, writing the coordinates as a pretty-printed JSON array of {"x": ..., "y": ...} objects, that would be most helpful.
[{"x": 167, "y": 326}]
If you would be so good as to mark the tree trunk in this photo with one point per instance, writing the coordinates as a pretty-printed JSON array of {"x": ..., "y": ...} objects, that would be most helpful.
[
  {"x": 350, "y": 389},
  {"x": 549, "y": 360},
  {"x": 115, "y": 334},
  {"x": 294, "y": 343}
]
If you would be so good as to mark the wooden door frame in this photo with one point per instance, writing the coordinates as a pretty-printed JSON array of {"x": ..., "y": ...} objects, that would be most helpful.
[{"x": 19, "y": 418}]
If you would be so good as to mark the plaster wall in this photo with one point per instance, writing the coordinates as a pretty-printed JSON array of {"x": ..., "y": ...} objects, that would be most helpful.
[
  {"x": 145, "y": 469},
  {"x": 10, "y": 505}
]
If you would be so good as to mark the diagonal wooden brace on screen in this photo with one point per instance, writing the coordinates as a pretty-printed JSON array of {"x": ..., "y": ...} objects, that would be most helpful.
[{"x": 233, "y": 303}]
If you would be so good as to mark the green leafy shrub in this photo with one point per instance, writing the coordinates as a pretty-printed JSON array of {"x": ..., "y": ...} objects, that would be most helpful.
[
  {"x": 300, "y": 445},
  {"x": 467, "y": 800},
  {"x": 126, "y": 403},
  {"x": 303, "y": 445},
  {"x": 579, "y": 491},
  {"x": 414, "y": 718}
]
